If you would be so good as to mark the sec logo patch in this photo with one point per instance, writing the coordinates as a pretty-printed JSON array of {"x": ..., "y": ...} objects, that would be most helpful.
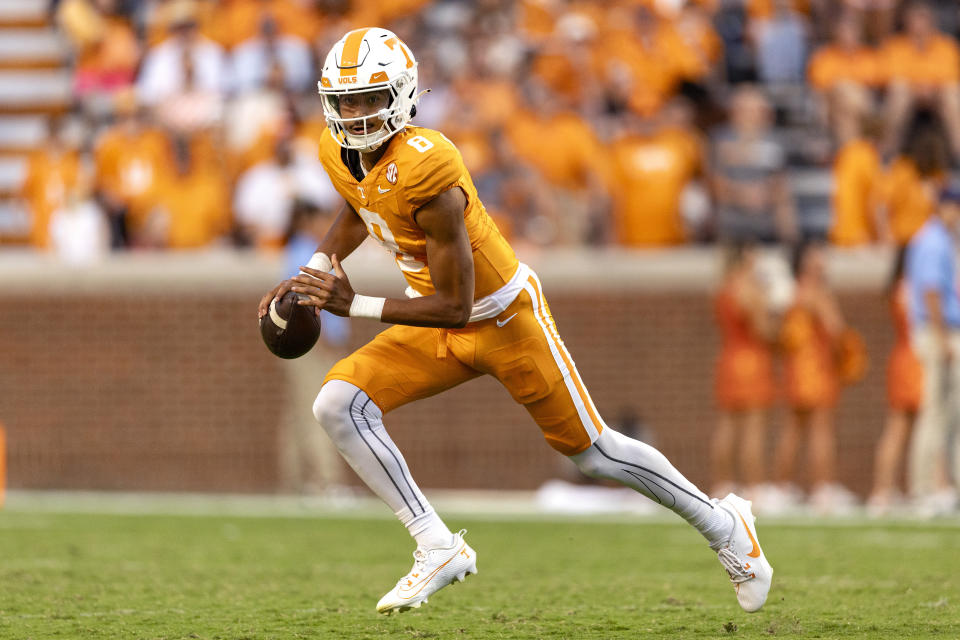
[{"x": 392, "y": 173}]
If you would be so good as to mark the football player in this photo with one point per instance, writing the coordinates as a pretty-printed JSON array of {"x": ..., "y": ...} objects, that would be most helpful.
[{"x": 471, "y": 309}]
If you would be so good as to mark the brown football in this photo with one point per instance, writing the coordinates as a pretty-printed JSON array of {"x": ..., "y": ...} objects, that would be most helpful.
[{"x": 289, "y": 330}]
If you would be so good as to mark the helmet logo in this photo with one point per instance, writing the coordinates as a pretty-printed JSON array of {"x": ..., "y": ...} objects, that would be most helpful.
[
  {"x": 393, "y": 42},
  {"x": 392, "y": 173}
]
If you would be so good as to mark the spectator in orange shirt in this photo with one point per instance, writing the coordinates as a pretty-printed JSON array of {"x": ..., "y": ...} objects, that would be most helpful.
[
  {"x": 236, "y": 21},
  {"x": 642, "y": 62},
  {"x": 922, "y": 69},
  {"x": 652, "y": 163},
  {"x": 52, "y": 173},
  {"x": 536, "y": 18},
  {"x": 553, "y": 139},
  {"x": 913, "y": 181},
  {"x": 192, "y": 209},
  {"x": 565, "y": 62},
  {"x": 492, "y": 97},
  {"x": 744, "y": 375},
  {"x": 810, "y": 334},
  {"x": 904, "y": 395},
  {"x": 843, "y": 73},
  {"x": 130, "y": 159},
  {"x": 857, "y": 178},
  {"x": 694, "y": 27}
]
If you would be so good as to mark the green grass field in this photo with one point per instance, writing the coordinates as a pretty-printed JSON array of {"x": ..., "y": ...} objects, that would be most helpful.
[{"x": 121, "y": 576}]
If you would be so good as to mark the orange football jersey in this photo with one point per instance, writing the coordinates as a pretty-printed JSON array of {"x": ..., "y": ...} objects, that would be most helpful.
[{"x": 418, "y": 165}]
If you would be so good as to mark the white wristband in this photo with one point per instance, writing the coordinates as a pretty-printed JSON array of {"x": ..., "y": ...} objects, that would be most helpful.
[
  {"x": 366, "y": 307},
  {"x": 321, "y": 262}
]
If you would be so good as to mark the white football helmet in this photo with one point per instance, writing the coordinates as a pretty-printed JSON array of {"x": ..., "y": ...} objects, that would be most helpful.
[{"x": 363, "y": 61}]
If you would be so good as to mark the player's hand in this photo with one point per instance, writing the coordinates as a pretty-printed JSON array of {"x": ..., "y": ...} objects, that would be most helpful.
[
  {"x": 264, "y": 307},
  {"x": 330, "y": 291}
]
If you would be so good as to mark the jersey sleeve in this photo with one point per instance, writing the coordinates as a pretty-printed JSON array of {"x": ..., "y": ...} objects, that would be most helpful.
[{"x": 439, "y": 169}]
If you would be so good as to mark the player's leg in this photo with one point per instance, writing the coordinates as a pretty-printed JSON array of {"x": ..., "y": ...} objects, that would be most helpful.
[
  {"x": 532, "y": 362},
  {"x": 398, "y": 366}
]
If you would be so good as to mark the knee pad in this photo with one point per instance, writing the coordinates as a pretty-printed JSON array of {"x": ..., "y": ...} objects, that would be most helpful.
[
  {"x": 334, "y": 404},
  {"x": 593, "y": 463}
]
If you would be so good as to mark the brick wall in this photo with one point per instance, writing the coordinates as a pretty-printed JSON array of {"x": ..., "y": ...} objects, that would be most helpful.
[{"x": 149, "y": 377}]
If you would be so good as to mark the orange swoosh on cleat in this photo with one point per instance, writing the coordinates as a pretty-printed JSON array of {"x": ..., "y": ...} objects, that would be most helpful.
[
  {"x": 755, "y": 553},
  {"x": 414, "y": 589}
]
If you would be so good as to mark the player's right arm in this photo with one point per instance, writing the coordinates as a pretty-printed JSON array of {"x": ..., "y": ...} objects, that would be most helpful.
[{"x": 344, "y": 236}]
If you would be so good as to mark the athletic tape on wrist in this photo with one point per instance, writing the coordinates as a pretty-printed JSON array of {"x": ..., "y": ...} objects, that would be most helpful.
[
  {"x": 366, "y": 307},
  {"x": 321, "y": 262}
]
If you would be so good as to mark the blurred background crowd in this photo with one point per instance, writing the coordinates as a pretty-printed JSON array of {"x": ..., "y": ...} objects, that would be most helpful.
[
  {"x": 641, "y": 123},
  {"x": 180, "y": 124}
]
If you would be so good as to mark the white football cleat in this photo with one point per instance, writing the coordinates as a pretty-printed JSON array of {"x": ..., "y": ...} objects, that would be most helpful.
[
  {"x": 742, "y": 557},
  {"x": 433, "y": 569}
]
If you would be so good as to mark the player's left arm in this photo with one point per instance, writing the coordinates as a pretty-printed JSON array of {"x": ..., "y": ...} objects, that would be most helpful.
[{"x": 451, "y": 268}]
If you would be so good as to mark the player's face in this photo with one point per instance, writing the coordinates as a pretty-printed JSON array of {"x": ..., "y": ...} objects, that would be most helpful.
[{"x": 363, "y": 105}]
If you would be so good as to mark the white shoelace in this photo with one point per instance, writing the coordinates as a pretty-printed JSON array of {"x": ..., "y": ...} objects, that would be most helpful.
[
  {"x": 420, "y": 559},
  {"x": 419, "y": 565},
  {"x": 733, "y": 566}
]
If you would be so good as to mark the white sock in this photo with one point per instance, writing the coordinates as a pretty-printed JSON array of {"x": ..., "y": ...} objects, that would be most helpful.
[
  {"x": 717, "y": 525},
  {"x": 355, "y": 424},
  {"x": 644, "y": 469},
  {"x": 429, "y": 531}
]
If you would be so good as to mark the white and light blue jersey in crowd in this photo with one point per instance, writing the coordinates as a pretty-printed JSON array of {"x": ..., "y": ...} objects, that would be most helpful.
[{"x": 931, "y": 266}]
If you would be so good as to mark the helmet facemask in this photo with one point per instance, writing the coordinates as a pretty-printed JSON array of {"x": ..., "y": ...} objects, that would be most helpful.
[{"x": 378, "y": 126}]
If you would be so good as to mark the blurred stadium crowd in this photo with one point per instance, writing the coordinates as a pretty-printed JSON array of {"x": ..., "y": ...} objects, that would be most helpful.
[{"x": 639, "y": 123}]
